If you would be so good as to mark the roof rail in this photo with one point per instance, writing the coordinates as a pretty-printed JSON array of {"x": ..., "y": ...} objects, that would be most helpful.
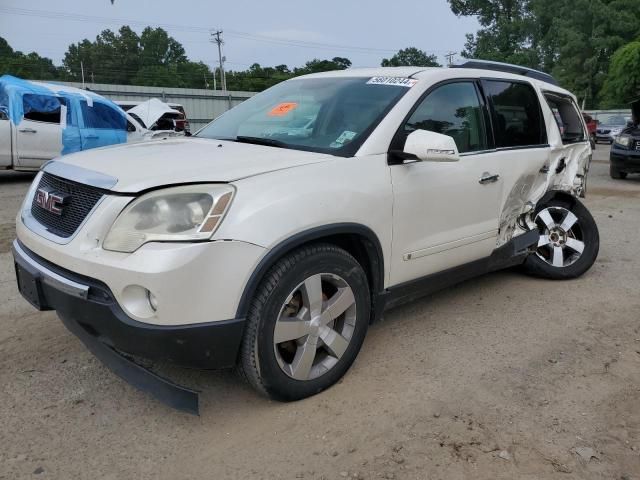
[{"x": 507, "y": 68}]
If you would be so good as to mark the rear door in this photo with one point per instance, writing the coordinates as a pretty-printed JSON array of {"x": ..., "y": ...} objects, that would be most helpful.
[
  {"x": 521, "y": 146},
  {"x": 39, "y": 134},
  {"x": 101, "y": 125}
]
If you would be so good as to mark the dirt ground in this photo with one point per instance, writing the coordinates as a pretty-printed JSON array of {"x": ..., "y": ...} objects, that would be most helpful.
[{"x": 503, "y": 377}]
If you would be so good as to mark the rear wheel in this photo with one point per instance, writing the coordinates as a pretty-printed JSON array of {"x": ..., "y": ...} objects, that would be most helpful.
[
  {"x": 306, "y": 323},
  {"x": 569, "y": 241}
]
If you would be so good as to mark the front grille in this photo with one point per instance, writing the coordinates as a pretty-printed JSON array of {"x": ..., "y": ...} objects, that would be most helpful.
[
  {"x": 82, "y": 200},
  {"x": 604, "y": 131}
]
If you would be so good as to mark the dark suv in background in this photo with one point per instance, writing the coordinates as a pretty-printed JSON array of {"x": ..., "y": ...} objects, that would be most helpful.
[{"x": 625, "y": 151}]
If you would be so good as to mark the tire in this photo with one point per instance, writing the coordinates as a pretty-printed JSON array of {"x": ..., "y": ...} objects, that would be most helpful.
[
  {"x": 617, "y": 174},
  {"x": 275, "y": 364},
  {"x": 569, "y": 241}
]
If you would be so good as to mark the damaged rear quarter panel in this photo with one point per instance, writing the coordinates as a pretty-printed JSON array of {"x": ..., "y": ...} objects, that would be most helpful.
[{"x": 558, "y": 167}]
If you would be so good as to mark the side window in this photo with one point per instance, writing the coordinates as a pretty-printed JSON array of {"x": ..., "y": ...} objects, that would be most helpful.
[
  {"x": 515, "y": 113},
  {"x": 453, "y": 109},
  {"x": 3, "y": 115},
  {"x": 567, "y": 118},
  {"x": 102, "y": 116},
  {"x": 42, "y": 108}
]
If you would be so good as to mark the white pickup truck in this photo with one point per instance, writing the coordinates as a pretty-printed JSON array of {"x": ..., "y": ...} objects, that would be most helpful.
[{"x": 39, "y": 122}]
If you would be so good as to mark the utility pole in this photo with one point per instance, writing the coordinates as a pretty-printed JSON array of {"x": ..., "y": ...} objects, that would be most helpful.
[
  {"x": 82, "y": 72},
  {"x": 449, "y": 56},
  {"x": 216, "y": 37}
]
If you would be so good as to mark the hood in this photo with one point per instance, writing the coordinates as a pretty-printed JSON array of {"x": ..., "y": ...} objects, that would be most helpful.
[
  {"x": 140, "y": 166},
  {"x": 151, "y": 111}
]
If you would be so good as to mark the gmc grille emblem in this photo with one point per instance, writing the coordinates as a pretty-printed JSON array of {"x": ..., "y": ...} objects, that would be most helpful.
[{"x": 53, "y": 202}]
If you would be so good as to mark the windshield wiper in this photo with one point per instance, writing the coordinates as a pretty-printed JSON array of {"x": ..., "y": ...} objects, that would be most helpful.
[{"x": 261, "y": 141}]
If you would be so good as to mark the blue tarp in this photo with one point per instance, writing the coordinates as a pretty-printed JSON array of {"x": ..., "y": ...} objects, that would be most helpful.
[{"x": 91, "y": 120}]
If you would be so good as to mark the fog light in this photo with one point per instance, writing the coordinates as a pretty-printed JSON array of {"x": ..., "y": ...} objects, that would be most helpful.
[
  {"x": 153, "y": 301},
  {"x": 139, "y": 301}
]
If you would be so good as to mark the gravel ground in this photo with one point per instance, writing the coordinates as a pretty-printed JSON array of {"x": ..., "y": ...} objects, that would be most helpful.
[{"x": 501, "y": 377}]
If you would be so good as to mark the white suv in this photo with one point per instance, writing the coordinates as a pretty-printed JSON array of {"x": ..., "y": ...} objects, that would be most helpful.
[{"x": 272, "y": 247}]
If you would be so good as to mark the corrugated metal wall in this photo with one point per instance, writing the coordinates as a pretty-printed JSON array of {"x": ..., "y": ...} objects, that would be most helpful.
[{"x": 201, "y": 105}]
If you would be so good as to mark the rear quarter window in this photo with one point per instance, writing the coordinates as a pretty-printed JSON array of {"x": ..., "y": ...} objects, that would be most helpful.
[
  {"x": 515, "y": 114},
  {"x": 567, "y": 118}
]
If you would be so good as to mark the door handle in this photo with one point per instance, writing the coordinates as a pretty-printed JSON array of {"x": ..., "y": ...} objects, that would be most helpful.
[
  {"x": 27, "y": 130},
  {"x": 91, "y": 137},
  {"x": 489, "y": 178}
]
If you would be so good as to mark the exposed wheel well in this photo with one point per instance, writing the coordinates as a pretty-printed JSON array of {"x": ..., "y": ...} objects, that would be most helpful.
[
  {"x": 557, "y": 194},
  {"x": 360, "y": 241}
]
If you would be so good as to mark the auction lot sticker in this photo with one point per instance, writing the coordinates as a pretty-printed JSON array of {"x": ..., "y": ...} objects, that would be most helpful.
[
  {"x": 283, "y": 109},
  {"x": 395, "y": 81}
]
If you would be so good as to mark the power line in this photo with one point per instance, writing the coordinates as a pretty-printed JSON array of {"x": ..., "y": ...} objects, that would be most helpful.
[{"x": 190, "y": 28}]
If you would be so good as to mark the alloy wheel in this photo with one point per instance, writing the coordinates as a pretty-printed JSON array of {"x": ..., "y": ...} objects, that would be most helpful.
[
  {"x": 561, "y": 240},
  {"x": 315, "y": 326}
]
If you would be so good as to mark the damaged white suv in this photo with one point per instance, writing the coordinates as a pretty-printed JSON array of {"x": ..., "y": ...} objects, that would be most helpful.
[{"x": 292, "y": 222}]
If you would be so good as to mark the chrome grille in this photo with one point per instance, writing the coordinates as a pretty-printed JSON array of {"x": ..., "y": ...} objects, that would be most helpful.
[{"x": 83, "y": 199}]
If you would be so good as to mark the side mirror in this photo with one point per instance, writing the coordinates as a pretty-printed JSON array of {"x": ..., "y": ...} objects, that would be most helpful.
[{"x": 426, "y": 146}]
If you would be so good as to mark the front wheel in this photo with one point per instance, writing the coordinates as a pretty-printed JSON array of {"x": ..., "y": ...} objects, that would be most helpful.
[
  {"x": 616, "y": 174},
  {"x": 569, "y": 241},
  {"x": 306, "y": 323}
]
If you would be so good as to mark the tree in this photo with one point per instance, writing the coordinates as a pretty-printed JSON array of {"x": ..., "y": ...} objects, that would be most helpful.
[
  {"x": 30, "y": 65},
  {"x": 623, "y": 83},
  {"x": 506, "y": 34},
  {"x": 588, "y": 33},
  {"x": 573, "y": 39},
  {"x": 316, "y": 65},
  {"x": 411, "y": 57}
]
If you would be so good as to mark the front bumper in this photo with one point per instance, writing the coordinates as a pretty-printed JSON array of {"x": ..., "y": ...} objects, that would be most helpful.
[
  {"x": 88, "y": 309},
  {"x": 605, "y": 137},
  {"x": 625, "y": 160}
]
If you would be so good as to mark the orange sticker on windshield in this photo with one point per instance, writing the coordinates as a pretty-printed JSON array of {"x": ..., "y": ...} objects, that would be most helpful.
[{"x": 283, "y": 109}]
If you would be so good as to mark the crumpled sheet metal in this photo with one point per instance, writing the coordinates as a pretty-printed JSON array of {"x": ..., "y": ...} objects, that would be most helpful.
[{"x": 565, "y": 171}]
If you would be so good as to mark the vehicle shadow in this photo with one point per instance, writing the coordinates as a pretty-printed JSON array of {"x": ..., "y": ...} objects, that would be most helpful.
[
  {"x": 222, "y": 390},
  {"x": 16, "y": 177}
]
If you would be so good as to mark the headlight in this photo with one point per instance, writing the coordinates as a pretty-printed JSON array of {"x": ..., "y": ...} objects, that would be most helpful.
[
  {"x": 178, "y": 214},
  {"x": 623, "y": 141}
]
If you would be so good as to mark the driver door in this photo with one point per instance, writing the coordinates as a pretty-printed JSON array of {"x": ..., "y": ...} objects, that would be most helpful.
[{"x": 446, "y": 214}]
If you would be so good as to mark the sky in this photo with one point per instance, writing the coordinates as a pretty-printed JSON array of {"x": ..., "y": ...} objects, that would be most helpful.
[{"x": 269, "y": 32}]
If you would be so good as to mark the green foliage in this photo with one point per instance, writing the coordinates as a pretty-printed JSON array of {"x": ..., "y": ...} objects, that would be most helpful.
[
  {"x": 30, "y": 65},
  {"x": 258, "y": 78},
  {"x": 411, "y": 57},
  {"x": 506, "y": 33},
  {"x": 623, "y": 83},
  {"x": 573, "y": 39},
  {"x": 152, "y": 58}
]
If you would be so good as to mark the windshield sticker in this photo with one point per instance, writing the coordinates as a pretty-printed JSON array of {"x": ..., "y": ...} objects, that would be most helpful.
[
  {"x": 283, "y": 109},
  {"x": 345, "y": 137},
  {"x": 395, "y": 81}
]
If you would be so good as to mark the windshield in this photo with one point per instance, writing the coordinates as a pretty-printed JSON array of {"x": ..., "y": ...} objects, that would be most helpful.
[{"x": 329, "y": 115}]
